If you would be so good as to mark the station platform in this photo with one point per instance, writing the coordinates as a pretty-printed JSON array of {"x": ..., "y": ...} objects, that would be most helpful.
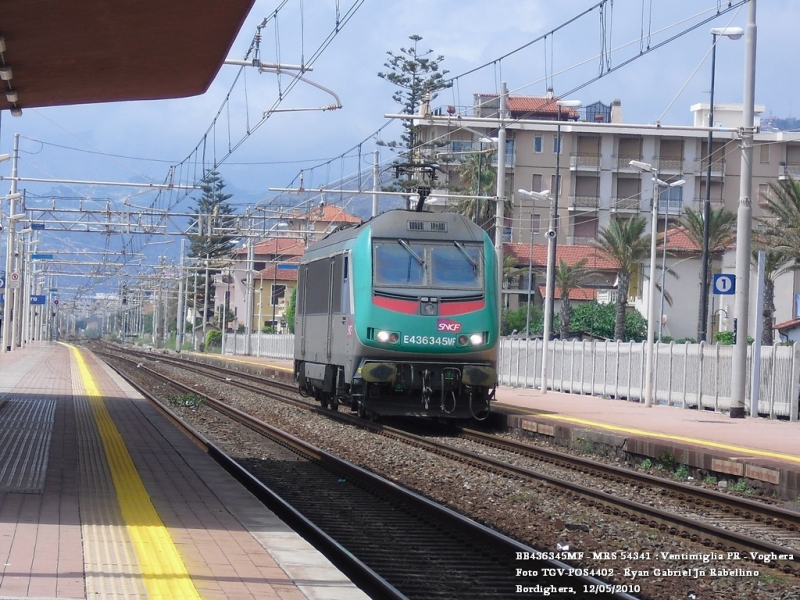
[
  {"x": 763, "y": 453},
  {"x": 102, "y": 497}
]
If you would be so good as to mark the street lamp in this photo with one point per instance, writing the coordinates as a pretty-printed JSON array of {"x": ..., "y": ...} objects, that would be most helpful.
[
  {"x": 545, "y": 196},
  {"x": 651, "y": 293},
  {"x": 733, "y": 33},
  {"x": 552, "y": 234},
  {"x": 664, "y": 257}
]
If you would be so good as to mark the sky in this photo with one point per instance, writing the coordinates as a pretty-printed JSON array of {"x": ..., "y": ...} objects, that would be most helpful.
[{"x": 139, "y": 141}]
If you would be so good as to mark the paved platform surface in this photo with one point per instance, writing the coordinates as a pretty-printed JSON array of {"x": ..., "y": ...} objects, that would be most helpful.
[
  {"x": 101, "y": 497},
  {"x": 764, "y": 452}
]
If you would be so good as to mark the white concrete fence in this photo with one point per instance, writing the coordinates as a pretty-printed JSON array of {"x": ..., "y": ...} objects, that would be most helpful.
[{"x": 686, "y": 375}]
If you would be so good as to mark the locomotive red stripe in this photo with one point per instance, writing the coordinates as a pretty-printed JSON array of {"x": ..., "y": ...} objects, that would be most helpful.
[
  {"x": 447, "y": 309},
  {"x": 411, "y": 307}
]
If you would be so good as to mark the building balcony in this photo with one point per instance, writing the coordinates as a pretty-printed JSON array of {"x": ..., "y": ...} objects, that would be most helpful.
[
  {"x": 625, "y": 205},
  {"x": 668, "y": 164},
  {"x": 623, "y": 162},
  {"x": 583, "y": 203},
  {"x": 670, "y": 207},
  {"x": 717, "y": 168},
  {"x": 580, "y": 240},
  {"x": 581, "y": 161},
  {"x": 715, "y": 202},
  {"x": 788, "y": 170}
]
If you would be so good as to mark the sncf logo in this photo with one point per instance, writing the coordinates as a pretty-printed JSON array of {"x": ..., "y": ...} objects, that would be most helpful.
[{"x": 448, "y": 325}]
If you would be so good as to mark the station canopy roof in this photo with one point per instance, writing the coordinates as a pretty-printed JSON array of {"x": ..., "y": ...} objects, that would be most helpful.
[{"x": 89, "y": 51}]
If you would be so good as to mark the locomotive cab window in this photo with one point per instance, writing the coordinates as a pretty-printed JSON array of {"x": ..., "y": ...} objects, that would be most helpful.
[{"x": 456, "y": 265}]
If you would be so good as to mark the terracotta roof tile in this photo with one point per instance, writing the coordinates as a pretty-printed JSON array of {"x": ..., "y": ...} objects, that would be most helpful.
[
  {"x": 330, "y": 213},
  {"x": 788, "y": 324},
  {"x": 571, "y": 254},
  {"x": 574, "y": 294},
  {"x": 274, "y": 272},
  {"x": 540, "y": 105}
]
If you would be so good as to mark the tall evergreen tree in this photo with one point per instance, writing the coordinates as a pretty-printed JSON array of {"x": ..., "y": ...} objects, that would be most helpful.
[
  {"x": 415, "y": 74},
  {"x": 207, "y": 243}
]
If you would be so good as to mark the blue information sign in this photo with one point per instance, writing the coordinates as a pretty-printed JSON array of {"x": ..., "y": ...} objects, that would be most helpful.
[
  {"x": 37, "y": 226},
  {"x": 724, "y": 284},
  {"x": 41, "y": 257},
  {"x": 38, "y": 299}
]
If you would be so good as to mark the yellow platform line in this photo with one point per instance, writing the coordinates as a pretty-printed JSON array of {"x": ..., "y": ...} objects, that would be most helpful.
[
  {"x": 163, "y": 571},
  {"x": 675, "y": 438}
]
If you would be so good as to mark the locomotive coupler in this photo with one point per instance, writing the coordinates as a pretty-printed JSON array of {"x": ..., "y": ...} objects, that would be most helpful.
[{"x": 426, "y": 387}]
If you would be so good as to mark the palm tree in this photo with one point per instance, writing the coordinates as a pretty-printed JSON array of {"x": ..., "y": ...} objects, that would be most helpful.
[
  {"x": 776, "y": 264},
  {"x": 569, "y": 277},
  {"x": 779, "y": 237},
  {"x": 782, "y": 228},
  {"x": 623, "y": 242},
  {"x": 478, "y": 178},
  {"x": 721, "y": 234}
]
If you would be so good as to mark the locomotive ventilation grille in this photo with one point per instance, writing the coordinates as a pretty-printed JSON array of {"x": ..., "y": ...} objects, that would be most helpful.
[{"x": 438, "y": 226}]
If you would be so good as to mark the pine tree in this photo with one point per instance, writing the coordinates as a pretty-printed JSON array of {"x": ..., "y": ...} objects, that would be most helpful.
[{"x": 206, "y": 242}]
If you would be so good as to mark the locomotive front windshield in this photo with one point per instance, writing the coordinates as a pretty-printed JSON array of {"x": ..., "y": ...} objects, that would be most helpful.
[{"x": 411, "y": 263}]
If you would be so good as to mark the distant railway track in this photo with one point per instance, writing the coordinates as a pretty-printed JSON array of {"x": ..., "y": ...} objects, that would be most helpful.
[{"x": 405, "y": 541}]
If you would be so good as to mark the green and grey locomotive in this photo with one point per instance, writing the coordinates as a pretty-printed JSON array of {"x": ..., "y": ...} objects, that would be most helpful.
[{"x": 399, "y": 316}]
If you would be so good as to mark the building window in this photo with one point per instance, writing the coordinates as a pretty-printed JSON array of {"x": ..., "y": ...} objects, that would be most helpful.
[
  {"x": 278, "y": 293},
  {"x": 763, "y": 193},
  {"x": 556, "y": 144},
  {"x": 553, "y": 187},
  {"x": 764, "y": 153},
  {"x": 536, "y": 182},
  {"x": 538, "y": 144},
  {"x": 536, "y": 221}
]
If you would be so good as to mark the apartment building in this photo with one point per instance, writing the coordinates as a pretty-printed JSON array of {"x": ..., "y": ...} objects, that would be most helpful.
[{"x": 583, "y": 158}]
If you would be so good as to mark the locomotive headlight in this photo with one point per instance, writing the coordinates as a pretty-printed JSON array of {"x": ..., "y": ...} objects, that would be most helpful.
[
  {"x": 476, "y": 339},
  {"x": 389, "y": 337}
]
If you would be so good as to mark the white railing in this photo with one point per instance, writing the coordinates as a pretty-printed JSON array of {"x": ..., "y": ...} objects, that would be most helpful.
[
  {"x": 273, "y": 345},
  {"x": 686, "y": 375}
]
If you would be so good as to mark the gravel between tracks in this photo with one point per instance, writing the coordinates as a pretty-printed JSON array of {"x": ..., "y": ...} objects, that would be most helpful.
[{"x": 534, "y": 514}]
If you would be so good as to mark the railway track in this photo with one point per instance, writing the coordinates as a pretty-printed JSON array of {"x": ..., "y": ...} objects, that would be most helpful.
[
  {"x": 722, "y": 523},
  {"x": 418, "y": 548}
]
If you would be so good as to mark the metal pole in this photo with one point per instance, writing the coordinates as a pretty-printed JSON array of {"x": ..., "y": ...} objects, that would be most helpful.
[
  {"x": 755, "y": 388},
  {"x": 552, "y": 240},
  {"x": 651, "y": 300},
  {"x": 530, "y": 280},
  {"x": 9, "y": 293},
  {"x": 180, "y": 319},
  {"x": 248, "y": 346},
  {"x": 663, "y": 271},
  {"x": 704, "y": 271},
  {"x": 743, "y": 223},
  {"x": 376, "y": 174},
  {"x": 501, "y": 192}
]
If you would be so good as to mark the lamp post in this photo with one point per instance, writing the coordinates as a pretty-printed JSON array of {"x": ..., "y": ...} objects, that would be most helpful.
[
  {"x": 733, "y": 33},
  {"x": 552, "y": 234},
  {"x": 664, "y": 259},
  {"x": 744, "y": 224},
  {"x": 651, "y": 290},
  {"x": 545, "y": 195}
]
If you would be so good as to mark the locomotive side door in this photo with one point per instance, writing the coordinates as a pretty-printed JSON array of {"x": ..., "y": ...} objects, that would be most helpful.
[{"x": 338, "y": 302}]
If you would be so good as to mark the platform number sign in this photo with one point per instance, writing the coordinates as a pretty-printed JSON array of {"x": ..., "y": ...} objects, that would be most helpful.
[{"x": 724, "y": 284}]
